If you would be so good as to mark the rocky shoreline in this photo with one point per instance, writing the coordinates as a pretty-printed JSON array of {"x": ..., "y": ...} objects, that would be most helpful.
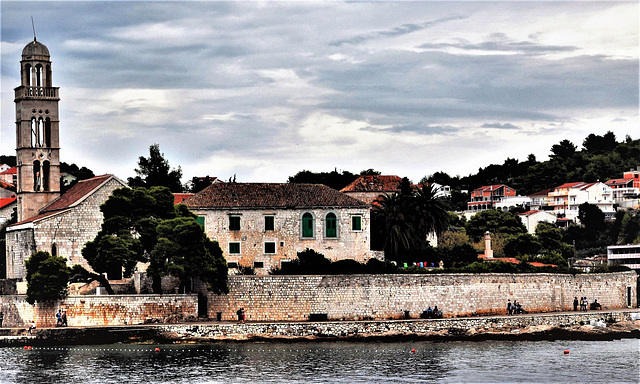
[{"x": 553, "y": 326}]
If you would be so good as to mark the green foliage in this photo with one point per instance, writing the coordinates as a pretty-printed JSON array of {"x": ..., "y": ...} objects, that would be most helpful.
[
  {"x": 604, "y": 268},
  {"x": 143, "y": 225},
  {"x": 155, "y": 171},
  {"x": 629, "y": 228},
  {"x": 591, "y": 217},
  {"x": 47, "y": 277},
  {"x": 197, "y": 184},
  {"x": 495, "y": 221},
  {"x": 185, "y": 251},
  {"x": 332, "y": 179},
  {"x": 522, "y": 244},
  {"x": 310, "y": 262}
]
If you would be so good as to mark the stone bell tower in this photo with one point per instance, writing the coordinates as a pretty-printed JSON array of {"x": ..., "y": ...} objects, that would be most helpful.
[{"x": 37, "y": 132}]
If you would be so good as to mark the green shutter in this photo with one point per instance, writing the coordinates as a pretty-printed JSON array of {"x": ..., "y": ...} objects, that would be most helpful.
[
  {"x": 331, "y": 225},
  {"x": 200, "y": 220},
  {"x": 307, "y": 225}
]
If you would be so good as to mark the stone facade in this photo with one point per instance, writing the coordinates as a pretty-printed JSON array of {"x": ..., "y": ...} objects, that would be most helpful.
[
  {"x": 100, "y": 310},
  {"x": 287, "y": 235},
  {"x": 63, "y": 232},
  {"x": 359, "y": 297}
]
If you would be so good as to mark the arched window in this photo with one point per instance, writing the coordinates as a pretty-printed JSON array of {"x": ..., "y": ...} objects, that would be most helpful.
[
  {"x": 45, "y": 175},
  {"x": 331, "y": 225},
  {"x": 307, "y": 225},
  {"x": 48, "y": 78},
  {"x": 36, "y": 176},
  {"x": 34, "y": 131},
  {"x": 26, "y": 75},
  {"x": 47, "y": 132},
  {"x": 40, "y": 132},
  {"x": 39, "y": 75}
]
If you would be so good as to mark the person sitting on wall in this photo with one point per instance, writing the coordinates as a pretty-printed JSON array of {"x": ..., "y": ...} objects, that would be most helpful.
[
  {"x": 59, "y": 318},
  {"x": 437, "y": 314},
  {"x": 595, "y": 305},
  {"x": 32, "y": 326}
]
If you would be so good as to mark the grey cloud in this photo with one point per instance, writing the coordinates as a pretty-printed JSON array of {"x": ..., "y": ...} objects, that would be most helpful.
[
  {"x": 500, "y": 126},
  {"x": 418, "y": 129},
  {"x": 397, "y": 31}
]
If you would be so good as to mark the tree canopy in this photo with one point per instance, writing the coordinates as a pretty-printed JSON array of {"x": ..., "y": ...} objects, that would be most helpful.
[
  {"x": 333, "y": 179},
  {"x": 154, "y": 171},
  {"x": 47, "y": 277},
  {"x": 494, "y": 221},
  {"x": 143, "y": 225}
]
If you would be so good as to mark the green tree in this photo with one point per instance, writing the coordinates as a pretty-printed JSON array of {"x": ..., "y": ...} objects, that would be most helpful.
[
  {"x": 629, "y": 228},
  {"x": 154, "y": 171},
  {"x": 183, "y": 250},
  {"x": 393, "y": 225},
  {"x": 333, "y": 179},
  {"x": 47, "y": 277},
  {"x": 430, "y": 213},
  {"x": 563, "y": 150},
  {"x": 494, "y": 221},
  {"x": 522, "y": 244},
  {"x": 591, "y": 217}
]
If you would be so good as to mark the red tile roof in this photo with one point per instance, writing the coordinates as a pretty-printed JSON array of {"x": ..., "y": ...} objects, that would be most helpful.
[
  {"x": 72, "y": 197},
  {"x": 270, "y": 195},
  {"x": 180, "y": 197},
  {"x": 544, "y": 192},
  {"x": 10, "y": 171},
  {"x": 570, "y": 185},
  {"x": 374, "y": 183},
  {"x": 6, "y": 201},
  {"x": 513, "y": 260},
  {"x": 5, "y": 185}
]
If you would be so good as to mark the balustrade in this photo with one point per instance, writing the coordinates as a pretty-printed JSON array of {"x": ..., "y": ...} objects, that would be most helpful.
[{"x": 37, "y": 92}]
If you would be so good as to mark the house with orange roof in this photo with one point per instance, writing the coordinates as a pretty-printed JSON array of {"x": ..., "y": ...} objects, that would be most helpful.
[
  {"x": 368, "y": 188},
  {"x": 486, "y": 197},
  {"x": 7, "y": 208},
  {"x": 626, "y": 191},
  {"x": 10, "y": 176},
  {"x": 62, "y": 227},
  {"x": 566, "y": 198}
]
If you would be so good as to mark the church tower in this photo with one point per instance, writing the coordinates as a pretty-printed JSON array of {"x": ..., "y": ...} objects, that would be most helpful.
[{"x": 37, "y": 132}]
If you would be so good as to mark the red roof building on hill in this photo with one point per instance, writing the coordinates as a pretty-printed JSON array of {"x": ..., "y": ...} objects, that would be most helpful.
[
  {"x": 368, "y": 188},
  {"x": 487, "y": 196}
]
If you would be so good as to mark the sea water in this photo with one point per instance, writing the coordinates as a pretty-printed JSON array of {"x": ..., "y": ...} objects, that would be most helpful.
[{"x": 328, "y": 362}]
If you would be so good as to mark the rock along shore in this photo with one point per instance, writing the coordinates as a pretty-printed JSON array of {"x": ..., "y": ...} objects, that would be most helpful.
[{"x": 595, "y": 325}]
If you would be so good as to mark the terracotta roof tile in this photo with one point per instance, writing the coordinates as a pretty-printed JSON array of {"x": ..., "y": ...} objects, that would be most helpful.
[
  {"x": 180, "y": 197},
  {"x": 270, "y": 195},
  {"x": 75, "y": 194},
  {"x": 374, "y": 183},
  {"x": 10, "y": 171},
  {"x": 6, "y": 201}
]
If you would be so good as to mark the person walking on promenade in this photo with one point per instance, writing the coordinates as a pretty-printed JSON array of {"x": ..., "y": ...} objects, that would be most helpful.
[
  {"x": 509, "y": 308},
  {"x": 63, "y": 319},
  {"x": 1, "y": 318},
  {"x": 59, "y": 318},
  {"x": 585, "y": 303},
  {"x": 32, "y": 326},
  {"x": 575, "y": 303}
]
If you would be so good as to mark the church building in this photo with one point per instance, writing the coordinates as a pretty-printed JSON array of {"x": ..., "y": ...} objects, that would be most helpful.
[{"x": 47, "y": 221}]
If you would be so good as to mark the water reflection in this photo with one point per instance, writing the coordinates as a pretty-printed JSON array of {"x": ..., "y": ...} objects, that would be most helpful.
[{"x": 326, "y": 362}]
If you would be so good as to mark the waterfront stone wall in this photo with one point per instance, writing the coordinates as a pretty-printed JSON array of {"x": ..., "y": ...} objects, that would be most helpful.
[
  {"x": 100, "y": 310},
  {"x": 377, "y": 297},
  {"x": 463, "y": 327}
]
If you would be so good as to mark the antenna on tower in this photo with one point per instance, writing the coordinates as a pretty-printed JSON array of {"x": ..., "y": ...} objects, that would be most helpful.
[{"x": 34, "y": 28}]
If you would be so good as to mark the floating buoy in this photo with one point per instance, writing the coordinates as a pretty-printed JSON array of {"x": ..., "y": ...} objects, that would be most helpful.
[
  {"x": 413, "y": 351},
  {"x": 157, "y": 349},
  {"x": 566, "y": 352}
]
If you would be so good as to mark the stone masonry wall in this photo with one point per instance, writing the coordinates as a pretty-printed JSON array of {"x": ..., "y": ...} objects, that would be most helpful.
[
  {"x": 361, "y": 297},
  {"x": 287, "y": 235},
  {"x": 99, "y": 310}
]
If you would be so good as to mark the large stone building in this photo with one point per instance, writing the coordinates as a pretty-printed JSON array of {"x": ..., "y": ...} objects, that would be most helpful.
[
  {"x": 62, "y": 227},
  {"x": 262, "y": 225}
]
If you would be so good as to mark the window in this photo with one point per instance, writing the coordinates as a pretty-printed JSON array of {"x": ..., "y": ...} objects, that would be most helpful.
[
  {"x": 356, "y": 223},
  {"x": 200, "y": 220},
  {"x": 234, "y": 248},
  {"x": 269, "y": 223},
  {"x": 258, "y": 264},
  {"x": 307, "y": 225},
  {"x": 270, "y": 247},
  {"x": 331, "y": 225},
  {"x": 232, "y": 264},
  {"x": 234, "y": 223}
]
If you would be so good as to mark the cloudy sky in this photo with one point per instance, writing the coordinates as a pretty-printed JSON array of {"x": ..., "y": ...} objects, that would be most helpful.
[{"x": 266, "y": 89}]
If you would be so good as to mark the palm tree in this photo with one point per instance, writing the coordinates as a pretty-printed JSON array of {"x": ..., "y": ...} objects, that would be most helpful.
[
  {"x": 393, "y": 216},
  {"x": 431, "y": 215}
]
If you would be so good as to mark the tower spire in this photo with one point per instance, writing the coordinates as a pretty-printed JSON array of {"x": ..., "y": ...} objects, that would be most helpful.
[{"x": 34, "y": 29}]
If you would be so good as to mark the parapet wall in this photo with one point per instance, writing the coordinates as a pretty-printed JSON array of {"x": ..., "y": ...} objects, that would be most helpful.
[
  {"x": 100, "y": 310},
  {"x": 378, "y": 297}
]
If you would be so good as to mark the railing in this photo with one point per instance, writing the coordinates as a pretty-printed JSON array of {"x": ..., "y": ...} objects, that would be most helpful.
[{"x": 24, "y": 92}]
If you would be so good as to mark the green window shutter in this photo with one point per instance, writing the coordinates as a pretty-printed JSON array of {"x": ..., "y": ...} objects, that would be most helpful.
[
  {"x": 331, "y": 225},
  {"x": 307, "y": 225},
  {"x": 200, "y": 220},
  {"x": 269, "y": 223},
  {"x": 234, "y": 223},
  {"x": 234, "y": 248},
  {"x": 270, "y": 248},
  {"x": 356, "y": 223}
]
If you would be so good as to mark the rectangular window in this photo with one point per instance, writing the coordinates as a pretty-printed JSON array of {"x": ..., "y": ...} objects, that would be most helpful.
[
  {"x": 234, "y": 223},
  {"x": 234, "y": 248},
  {"x": 356, "y": 223},
  {"x": 258, "y": 264},
  {"x": 200, "y": 220},
  {"x": 270, "y": 247},
  {"x": 232, "y": 264},
  {"x": 269, "y": 223}
]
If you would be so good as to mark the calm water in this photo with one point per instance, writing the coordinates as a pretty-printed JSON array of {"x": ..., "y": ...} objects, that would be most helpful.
[{"x": 451, "y": 362}]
